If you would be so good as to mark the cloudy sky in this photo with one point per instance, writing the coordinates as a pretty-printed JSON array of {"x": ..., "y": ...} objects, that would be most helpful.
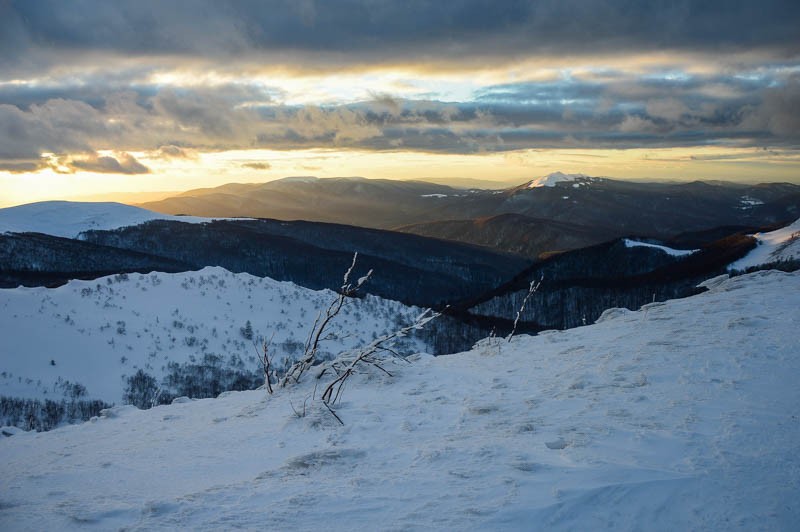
[{"x": 99, "y": 96}]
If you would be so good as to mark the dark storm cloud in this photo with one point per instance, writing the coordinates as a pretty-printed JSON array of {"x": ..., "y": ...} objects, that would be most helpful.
[
  {"x": 19, "y": 167},
  {"x": 409, "y": 30},
  {"x": 123, "y": 163},
  {"x": 64, "y": 125},
  {"x": 779, "y": 113},
  {"x": 627, "y": 111},
  {"x": 174, "y": 152},
  {"x": 90, "y": 88}
]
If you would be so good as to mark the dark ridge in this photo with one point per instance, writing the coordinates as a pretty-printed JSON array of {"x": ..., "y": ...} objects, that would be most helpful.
[
  {"x": 593, "y": 265},
  {"x": 408, "y": 268},
  {"x": 575, "y": 291},
  {"x": 522, "y": 235},
  {"x": 35, "y": 259},
  {"x": 699, "y": 239}
]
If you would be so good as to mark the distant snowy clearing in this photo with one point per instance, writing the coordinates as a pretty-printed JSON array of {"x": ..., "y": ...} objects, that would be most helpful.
[
  {"x": 669, "y": 251},
  {"x": 782, "y": 244},
  {"x": 681, "y": 416}
]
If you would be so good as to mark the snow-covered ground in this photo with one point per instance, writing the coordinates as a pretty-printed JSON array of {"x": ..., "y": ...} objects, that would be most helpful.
[
  {"x": 782, "y": 244},
  {"x": 95, "y": 333},
  {"x": 550, "y": 180},
  {"x": 681, "y": 416},
  {"x": 70, "y": 218},
  {"x": 669, "y": 251}
]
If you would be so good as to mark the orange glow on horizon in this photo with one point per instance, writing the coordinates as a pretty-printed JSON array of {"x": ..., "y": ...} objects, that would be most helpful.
[{"x": 213, "y": 169}]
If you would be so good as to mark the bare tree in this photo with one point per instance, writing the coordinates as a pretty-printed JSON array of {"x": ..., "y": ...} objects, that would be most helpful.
[
  {"x": 319, "y": 330},
  {"x": 375, "y": 355},
  {"x": 266, "y": 362}
]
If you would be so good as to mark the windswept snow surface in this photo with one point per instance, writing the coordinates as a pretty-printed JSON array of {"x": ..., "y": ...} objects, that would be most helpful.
[
  {"x": 681, "y": 416},
  {"x": 97, "y": 332},
  {"x": 69, "y": 218},
  {"x": 669, "y": 251},
  {"x": 550, "y": 180},
  {"x": 782, "y": 244}
]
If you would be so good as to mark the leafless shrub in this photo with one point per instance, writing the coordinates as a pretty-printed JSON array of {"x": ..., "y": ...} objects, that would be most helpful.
[
  {"x": 265, "y": 360},
  {"x": 373, "y": 355},
  {"x": 319, "y": 331}
]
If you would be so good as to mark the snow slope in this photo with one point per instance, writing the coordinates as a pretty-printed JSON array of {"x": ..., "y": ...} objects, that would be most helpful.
[
  {"x": 97, "y": 332},
  {"x": 669, "y": 251},
  {"x": 550, "y": 180},
  {"x": 782, "y": 244},
  {"x": 69, "y": 218},
  {"x": 681, "y": 416}
]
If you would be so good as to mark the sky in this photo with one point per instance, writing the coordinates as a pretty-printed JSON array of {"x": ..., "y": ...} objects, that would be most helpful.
[{"x": 99, "y": 97}]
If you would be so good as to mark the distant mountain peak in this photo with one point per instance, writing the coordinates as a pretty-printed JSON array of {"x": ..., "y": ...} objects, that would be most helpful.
[
  {"x": 299, "y": 179},
  {"x": 550, "y": 180}
]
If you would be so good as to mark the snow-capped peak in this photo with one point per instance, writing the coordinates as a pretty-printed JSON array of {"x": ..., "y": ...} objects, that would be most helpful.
[
  {"x": 299, "y": 179},
  {"x": 550, "y": 180}
]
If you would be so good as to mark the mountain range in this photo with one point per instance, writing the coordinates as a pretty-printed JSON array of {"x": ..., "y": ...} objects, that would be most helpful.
[
  {"x": 50, "y": 243},
  {"x": 554, "y": 213},
  {"x": 473, "y": 252}
]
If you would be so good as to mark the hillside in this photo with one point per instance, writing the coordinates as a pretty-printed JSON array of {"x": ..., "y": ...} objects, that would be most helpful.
[
  {"x": 515, "y": 233},
  {"x": 409, "y": 268},
  {"x": 575, "y": 287},
  {"x": 98, "y": 334},
  {"x": 68, "y": 219},
  {"x": 585, "y": 210},
  {"x": 376, "y": 203},
  {"x": 781, "y": 245},
  {"x": 113, "y": 238},
  {"x": 679, "y": 416},
  {"x": 35, "y": 259}
]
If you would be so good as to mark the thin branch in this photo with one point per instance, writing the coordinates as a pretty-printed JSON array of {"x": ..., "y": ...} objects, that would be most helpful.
[
  {"x": 534, "y": 286},
  {"x": 381, "y": 368},
  {"x": 333, "y": 412},
  {"x": 333, "y": 390},
  {"x": 296, "y": 413}
]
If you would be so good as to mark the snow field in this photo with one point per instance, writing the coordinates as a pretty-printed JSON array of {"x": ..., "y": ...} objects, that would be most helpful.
[
  {"x": 668, "y": 250},
  {"x": 682, "y": 415},
  {"x": 781, "y": 244},
  {"x": 96, "y": 333}
]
